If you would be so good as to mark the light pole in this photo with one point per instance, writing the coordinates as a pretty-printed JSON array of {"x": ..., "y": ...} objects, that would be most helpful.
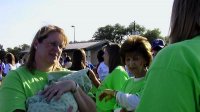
[
  {"x": 74, "y": 32},
  {"x": 134, "y": 32}
]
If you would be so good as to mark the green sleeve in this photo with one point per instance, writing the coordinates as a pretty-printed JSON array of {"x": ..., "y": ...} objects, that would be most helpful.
[
  {"x": 12, "y": 94},
  {"x": 114, "y": 81},
  {"x": 119, "y": 77}
]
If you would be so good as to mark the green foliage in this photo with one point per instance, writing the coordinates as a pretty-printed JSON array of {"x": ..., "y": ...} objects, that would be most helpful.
[
  {"x": 25, "y": 47},
  {"x": 135, "y": 28},
  {"x": 117, "y": 32},
  {"x": 16, "y": 51},
  {"x": 104, "y": 33},
  {"x": 1, "y": 47},
  {"x": 113, "y": 33},
  {"x": 152, "y": 34}
]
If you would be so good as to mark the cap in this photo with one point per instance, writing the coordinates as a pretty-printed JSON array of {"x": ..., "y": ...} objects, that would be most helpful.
[{"x": 158, "y": 43}]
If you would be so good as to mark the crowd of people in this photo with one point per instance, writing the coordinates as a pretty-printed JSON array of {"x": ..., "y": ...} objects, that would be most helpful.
[
  {"x": 137, "y": 75},
  {"x": 8, "y": 63}
]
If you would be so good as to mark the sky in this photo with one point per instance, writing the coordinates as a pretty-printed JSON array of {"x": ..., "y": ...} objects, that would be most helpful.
[{"x": 21, "y": 19}]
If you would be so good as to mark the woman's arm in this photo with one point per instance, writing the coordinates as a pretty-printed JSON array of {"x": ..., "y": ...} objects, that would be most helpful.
[
  {"x": 85, "y": 103},
  {"x": 125, "y": 100},
  {"x": 93, "y": 78}
]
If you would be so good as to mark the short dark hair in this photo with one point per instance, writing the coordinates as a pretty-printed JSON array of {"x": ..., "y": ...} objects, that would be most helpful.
[{"x": 100, "y": 56}]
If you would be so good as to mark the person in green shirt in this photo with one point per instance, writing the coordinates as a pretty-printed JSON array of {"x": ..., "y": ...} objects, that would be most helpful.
[
  {"x": 173, "y": 79},
  {"x": 136, "y": 55},
  {"x": 28, "y": 80},
  {"x": 114, "y": 80}
]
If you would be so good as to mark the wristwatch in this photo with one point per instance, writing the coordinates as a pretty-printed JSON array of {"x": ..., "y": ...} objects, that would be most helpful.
[{"x": 76, "y": 89}]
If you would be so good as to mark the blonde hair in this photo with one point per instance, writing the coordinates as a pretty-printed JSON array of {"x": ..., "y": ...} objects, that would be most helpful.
[
  {"x": 10, "y": 58},
  {"x": 40, "y": 36}
]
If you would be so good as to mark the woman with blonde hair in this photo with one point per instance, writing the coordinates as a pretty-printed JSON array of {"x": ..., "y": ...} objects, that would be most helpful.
[
  {"x": 10, "y": 63},
  {"x": 26, "y": 81}
]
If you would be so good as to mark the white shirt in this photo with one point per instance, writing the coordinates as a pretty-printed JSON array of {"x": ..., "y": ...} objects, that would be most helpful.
[
  {"x": 102, "y": 70},
  {"x": 9, "y": 67},
  {"x": 128, "y": 101},
  {"x": 18, "y": 65},
  {"x": 68, "y": 64}
]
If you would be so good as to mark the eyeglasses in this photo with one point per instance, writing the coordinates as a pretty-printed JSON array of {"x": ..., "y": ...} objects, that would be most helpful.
[{"x": 55, "y": 44}]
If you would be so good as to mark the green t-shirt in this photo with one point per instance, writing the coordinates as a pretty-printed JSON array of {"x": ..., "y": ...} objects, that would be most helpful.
[
  {"x": 114, "y": 81},
  {"x": 18, "y": 85},
  {"x": 173, "y": 80},
  {"x": 133, "y": 85}
]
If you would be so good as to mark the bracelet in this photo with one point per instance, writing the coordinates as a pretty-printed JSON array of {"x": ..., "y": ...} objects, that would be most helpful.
[{"x": 76, "y": 89}]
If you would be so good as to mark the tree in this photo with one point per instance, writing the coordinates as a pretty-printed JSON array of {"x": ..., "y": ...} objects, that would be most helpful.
[
  {"x": 119, "y": 32},
  {"x": 104, "y": 33},
  {"x": 25, "y": 47},
  {"x": 1, "y": 47},
  {"x": 17, "y": 50},
  {"x": 2, "y": 53},
  {"x": 152, "y": 34},
  {"x": 112, "y": 33},
  {"x": 135, "y": 28}
]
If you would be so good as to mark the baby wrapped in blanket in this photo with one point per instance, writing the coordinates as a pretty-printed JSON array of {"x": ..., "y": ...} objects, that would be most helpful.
[{"x": 38, "y": 103}]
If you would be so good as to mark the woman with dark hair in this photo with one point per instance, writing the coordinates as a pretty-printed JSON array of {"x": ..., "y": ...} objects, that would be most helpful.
[
  {"x": 173, "y": 83},
  {"x": 79, "y": 63},
  {"x": 78, "y": 60},
  {"x": 114, "y": 80},
  {"x": 28, "y": 80}
]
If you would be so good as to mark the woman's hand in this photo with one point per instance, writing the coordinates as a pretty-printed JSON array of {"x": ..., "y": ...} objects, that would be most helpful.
[
  {"x": 57, "y": 89},
  {"x": 107, "y": 94}
]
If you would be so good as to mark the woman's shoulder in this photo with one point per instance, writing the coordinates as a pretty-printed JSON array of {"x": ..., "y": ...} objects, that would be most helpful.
[
  {"x": 184, "y": 47},
  {"x": 178, "y": 54},
  {"x": 22, "y": 69},
  {"x": 120, "y": 68}
]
